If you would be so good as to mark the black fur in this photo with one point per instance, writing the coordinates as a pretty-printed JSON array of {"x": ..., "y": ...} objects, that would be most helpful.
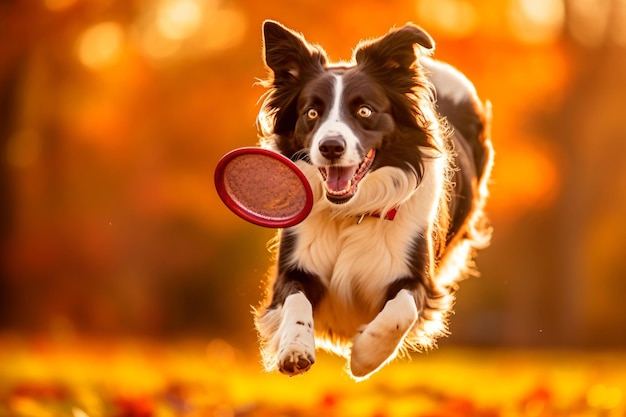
[
  {"x": 293, "y": 280},
  {"x": 404, "y": 125}
]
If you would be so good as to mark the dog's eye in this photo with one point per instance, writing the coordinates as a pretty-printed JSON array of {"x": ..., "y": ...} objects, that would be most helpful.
[
  {"x": 364, "y": 112},
  {"x": 312, "y": 114}
]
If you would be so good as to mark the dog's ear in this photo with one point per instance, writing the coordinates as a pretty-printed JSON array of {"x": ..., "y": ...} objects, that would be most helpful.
[
  {"x": 395, "y": 50},
  {"x": 287, "y": 54}
]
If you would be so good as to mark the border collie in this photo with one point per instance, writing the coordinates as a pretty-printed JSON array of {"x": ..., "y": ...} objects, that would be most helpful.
[{"x": 396, "y": 147}]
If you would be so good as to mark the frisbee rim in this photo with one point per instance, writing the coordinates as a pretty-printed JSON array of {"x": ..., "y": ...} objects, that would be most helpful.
[{"x": 251, "y": 215}]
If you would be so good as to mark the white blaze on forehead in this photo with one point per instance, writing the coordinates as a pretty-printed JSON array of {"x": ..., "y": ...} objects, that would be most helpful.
[
  {"x": 334, "y": 124},
  {"x": 335, "y": 111}
]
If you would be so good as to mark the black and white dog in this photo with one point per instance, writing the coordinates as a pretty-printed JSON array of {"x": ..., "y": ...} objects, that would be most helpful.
[{"x": 396, "y": 147}]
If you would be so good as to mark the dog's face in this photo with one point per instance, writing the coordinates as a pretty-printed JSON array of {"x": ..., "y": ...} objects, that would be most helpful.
[{"x": 345, "y": 117}]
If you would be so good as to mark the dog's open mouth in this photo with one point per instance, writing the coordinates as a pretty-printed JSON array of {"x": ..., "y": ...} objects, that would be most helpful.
[{"x": 341, "y": 182}]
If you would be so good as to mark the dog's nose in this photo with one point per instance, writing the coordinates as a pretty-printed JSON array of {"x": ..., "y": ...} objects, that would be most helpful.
[{"x": 332, "y": 147}]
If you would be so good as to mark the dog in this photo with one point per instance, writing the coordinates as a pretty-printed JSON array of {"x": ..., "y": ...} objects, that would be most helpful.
[{"x": 397, "y": 149}]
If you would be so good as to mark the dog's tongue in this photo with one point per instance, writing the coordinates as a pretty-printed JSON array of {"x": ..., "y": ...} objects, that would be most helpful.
[{"x": 339, "y": 177}]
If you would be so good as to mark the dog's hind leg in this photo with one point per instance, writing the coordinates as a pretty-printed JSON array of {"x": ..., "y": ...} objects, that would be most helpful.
[{"x": 379, "y": 342}]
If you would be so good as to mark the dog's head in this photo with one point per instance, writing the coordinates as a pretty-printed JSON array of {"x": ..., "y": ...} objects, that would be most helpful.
[{"x": 349, "y": 119}]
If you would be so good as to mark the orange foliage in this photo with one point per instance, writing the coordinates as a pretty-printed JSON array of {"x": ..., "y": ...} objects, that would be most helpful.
[{"x": 118, "y": 112}]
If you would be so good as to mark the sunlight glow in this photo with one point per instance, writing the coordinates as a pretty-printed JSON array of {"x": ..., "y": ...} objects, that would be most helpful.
[
  {"x": 456, "y": 18},
  {"x": 100, "y": 45},
  {"x": 188, "y": 27},
  {"x": 179, "y": 19},
  {"x": 537, "y": 21}
]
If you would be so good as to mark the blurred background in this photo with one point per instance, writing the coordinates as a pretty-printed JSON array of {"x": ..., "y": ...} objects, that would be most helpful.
[{"x": 114, "y": 113}]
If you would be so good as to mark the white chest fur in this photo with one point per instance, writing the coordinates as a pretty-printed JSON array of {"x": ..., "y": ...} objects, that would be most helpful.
[{"x": 357, "y": 262}]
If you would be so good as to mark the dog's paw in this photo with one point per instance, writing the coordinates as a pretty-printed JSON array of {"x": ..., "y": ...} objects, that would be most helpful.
[
  {"x": 295, "y": 359},
  {"x": 379, "y": 342},
  {"x": 373, "y": 348}
]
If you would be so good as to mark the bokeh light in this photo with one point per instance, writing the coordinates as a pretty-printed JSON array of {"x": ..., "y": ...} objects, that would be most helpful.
[
  {"x": 172, "y": 87},
  {"x": 157, "y": 46},
  {"x": 603, "y": 397},
  {"x": 225, "y": 29},
  {"x": 184, "y": 28},
  {"x": 537, "y": 21},
  {"x": 179, "y": 19},
  {"x": 126, "y": 285},
  {"x": 101, "y": 45},
  {"x": 589, "y": 19},
  {"x": 455, "y": 18}
]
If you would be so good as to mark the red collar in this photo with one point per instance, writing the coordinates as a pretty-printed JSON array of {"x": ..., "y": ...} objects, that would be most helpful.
[{"x": 390, "y": 215}]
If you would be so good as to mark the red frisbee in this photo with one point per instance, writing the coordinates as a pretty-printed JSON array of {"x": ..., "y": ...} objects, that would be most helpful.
[{"x": 263, "y": 187}]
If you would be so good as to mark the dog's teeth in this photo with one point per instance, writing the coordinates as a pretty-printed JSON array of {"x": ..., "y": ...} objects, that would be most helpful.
[{"x": 352, "y": 183}]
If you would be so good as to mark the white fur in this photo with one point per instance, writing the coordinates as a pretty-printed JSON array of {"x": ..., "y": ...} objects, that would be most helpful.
[
  {"x": 334, "y": 125},
  {"x": 357, "y": 262},
  {"x": 296, "y": 351},
  {"x": 380, "y": 340},
  {"x": 449, "y": 81},
  {"x": 292, "y": 341}
]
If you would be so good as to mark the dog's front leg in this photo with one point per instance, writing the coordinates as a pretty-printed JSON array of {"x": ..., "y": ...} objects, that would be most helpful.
[
  {"x": 296, "y": 348},
  {"x": 379, "y": 342},
  {"x": 286, "y": 325},
  {"x": 286, "y": 332}
]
